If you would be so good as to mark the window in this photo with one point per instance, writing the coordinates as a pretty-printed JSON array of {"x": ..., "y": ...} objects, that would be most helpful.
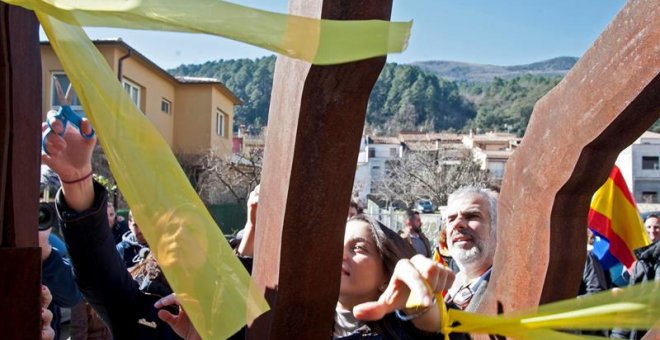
[
  {"x": 649, "y": 197},
  {"x": 394, "y": 152},
  {"x": 165, "y": 106},
  {"x": 133, "y": 91},
  {"x": 372, "y": 152},
  {"x": 221, "y": 120},
  {"x": 650, "y": 163},
  {"x": 375, "y": 172},
  {"x": 67, "y": 89}
]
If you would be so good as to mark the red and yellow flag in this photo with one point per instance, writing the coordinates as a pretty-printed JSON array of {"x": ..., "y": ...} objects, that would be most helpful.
[{"x": 613, "y": 215}]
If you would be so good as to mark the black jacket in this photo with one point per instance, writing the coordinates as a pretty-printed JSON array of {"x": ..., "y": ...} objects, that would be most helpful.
[
  {"x": 102, "y": 276},
  {"x": 647, "y": 268}
]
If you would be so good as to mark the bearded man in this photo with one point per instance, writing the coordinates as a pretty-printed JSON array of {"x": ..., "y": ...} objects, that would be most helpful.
[{"x": 471, "y": 220}]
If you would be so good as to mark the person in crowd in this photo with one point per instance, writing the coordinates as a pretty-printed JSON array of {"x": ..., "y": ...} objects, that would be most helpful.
[
  {"x": 47, "y": 332},
  {"x": 149, "y": 276},
  {"x": 376, "y": 266},
  {"x": 118, "y": 226},
  {"x": 86, "y": 324},
  {"x": 354, "y": 208},
  {"x": 594, "y": 280},
  {"x": 441, "y": 252},
  {"x": 471, "y": 224},
  {"x": 652, "y": 225},
  {"x": 132, "y": 243},
  {"x": 57, "y": 274},
  {"x": 645, "y": 269},
  {"x": 412, "y": 233},
  {"x": 377, "y": 276},
  {"x": 100, "y": 272}
]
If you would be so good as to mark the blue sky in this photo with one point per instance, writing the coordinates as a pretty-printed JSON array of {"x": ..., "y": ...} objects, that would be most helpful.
[{"x": 499, "y": 32}]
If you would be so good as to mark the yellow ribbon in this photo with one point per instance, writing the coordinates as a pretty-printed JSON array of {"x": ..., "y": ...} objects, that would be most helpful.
[
  {"x": 214, "y": 287},
  {"x": 633, "y": 307},
  {"x": 320, "y": 42}
]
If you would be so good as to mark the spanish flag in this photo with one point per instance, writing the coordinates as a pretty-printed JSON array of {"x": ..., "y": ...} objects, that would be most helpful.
[{"x": 614, "y": 218}]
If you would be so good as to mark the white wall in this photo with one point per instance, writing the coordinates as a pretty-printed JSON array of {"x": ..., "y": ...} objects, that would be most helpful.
[{"x": 630, "y": 163}]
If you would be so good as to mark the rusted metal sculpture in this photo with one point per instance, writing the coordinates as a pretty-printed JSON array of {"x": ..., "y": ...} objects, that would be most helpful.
[
  {"x": 20, "y": 122},
  {"x": 609, "y": 98},
  {"x": 317, "y": 113},
  {"x": 316, "y": 118}
]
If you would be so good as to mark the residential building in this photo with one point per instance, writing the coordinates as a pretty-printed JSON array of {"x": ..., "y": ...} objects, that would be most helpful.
[
  {"x": 374, "y": 154},
  {"x": 492, "y": 150},
  {"x": 433, "y": 141},
  {"x": 193, "y": 115},
  {"x": 247, "y": 143},
  {"x": 640, "y": 166}
]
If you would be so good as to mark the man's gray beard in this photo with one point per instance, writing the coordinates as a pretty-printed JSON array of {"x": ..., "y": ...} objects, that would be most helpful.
[{"x": 464, "y": 256}]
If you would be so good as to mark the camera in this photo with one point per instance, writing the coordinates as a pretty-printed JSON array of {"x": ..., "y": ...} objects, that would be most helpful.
[{"x": 47, "y": 216}]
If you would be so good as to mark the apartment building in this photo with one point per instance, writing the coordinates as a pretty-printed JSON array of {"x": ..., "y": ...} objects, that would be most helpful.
[
  {"x": 193, "y": 115},
  {"x": 640, "y": 166}
]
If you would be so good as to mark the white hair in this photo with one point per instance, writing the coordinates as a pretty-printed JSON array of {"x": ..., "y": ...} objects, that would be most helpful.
[{"x": 480, "y": 249}]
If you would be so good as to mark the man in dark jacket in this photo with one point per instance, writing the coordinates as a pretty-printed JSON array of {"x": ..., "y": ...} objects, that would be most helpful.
[
  {"x": 412, "y": 233},
  {"x": 647, "y": 268}
]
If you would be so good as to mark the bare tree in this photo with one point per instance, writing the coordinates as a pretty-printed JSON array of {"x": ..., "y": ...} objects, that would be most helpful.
[
  {"x": 223, "y": 179},
  {"x": 429, "y": 174}
]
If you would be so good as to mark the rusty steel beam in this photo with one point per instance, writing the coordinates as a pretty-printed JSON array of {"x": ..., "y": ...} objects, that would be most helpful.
[
  {"x": 20, "y": 126},
  {"x": 609, "y": 98},
  {"x": 317, "y": 114}
]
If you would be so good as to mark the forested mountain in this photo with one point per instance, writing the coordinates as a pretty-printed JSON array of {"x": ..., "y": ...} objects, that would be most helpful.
[
  {"x": 466, "y": 72},
  {"x": 506, "y": 105},
  {"x": 405, "y": 97}
]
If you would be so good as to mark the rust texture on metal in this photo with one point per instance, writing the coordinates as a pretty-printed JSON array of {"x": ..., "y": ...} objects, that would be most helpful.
[
  {"x": 20, "y": 91},
  {"x": 20, "y": 102},
  {"x": 20, "y": 286},
  {"x": 609, "y": 98},
  {"x": 315, "y": 123}
]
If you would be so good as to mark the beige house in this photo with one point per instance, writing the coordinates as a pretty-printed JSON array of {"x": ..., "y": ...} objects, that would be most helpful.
[
  {"x": 193, "y": 115},
  {"x": 492, "y": 150}
]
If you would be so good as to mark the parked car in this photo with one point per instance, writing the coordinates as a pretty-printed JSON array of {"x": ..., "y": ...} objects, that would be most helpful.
[{"x": 424, "y": 206}]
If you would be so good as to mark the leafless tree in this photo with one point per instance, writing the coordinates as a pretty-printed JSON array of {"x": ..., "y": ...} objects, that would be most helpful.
[
  {"x": 429, "y": 174},
  {"x": 223, "y": 179}
]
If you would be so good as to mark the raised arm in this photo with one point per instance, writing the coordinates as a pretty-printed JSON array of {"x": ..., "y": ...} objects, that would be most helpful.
[
  {"x": 81, "y": 205},
  {"x": 246, "y": 247},
  {"x": 420, "y": 277},
  {"x": 70, "y": 157}
]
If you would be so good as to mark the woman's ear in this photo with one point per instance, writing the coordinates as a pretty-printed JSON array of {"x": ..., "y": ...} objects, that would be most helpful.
[{"x": 382, "y": 287}]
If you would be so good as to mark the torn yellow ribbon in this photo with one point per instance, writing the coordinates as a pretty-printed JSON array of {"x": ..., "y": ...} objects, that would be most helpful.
[
  {"x": 212, "y": 284},
  {"x": 320, "y": 42},
  {"x": 633, "y": 307}
]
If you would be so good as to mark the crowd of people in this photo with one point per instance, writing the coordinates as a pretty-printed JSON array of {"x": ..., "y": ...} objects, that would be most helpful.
[{"x": 119, "y": 291}]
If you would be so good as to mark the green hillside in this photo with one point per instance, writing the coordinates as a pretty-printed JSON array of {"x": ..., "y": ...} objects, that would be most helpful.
[{"x": 406, "y": 97}]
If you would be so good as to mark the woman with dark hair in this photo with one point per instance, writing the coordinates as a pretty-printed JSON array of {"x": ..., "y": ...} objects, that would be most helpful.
[
  {"x": 378, "y": 274},
  {"x": 376, "y": 261}
]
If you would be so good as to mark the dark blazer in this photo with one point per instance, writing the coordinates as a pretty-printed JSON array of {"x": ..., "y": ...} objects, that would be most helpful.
[{"x": 405, "y": 234}]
